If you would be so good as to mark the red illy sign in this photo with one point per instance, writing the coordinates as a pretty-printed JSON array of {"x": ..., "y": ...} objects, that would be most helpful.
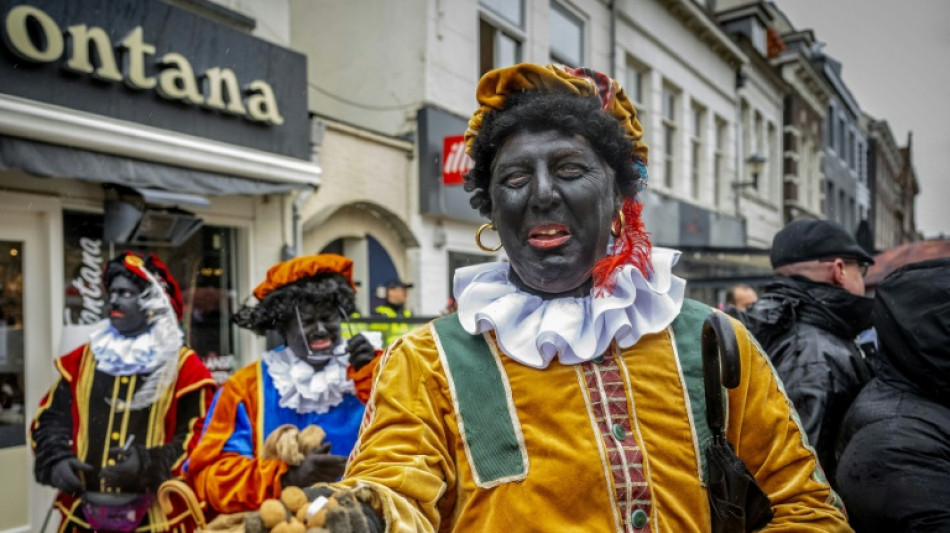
[{"x": 455, "y": 162}]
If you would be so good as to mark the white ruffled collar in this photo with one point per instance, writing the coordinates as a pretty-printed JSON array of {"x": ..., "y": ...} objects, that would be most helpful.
[
  {"x": 304, "y": 389},
  {"x": 534, "y": 331},
  {"x": 117, "y": 355}
]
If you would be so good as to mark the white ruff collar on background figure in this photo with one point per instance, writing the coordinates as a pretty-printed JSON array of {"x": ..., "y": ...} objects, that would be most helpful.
[
  {"x": 534, "y": 331},
  {"x": 304, "y": 389},
  {"x": 123, "y": 356}
]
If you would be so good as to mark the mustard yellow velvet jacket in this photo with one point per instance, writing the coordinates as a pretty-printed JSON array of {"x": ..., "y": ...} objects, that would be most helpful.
[{"x": 412, "y": 454}]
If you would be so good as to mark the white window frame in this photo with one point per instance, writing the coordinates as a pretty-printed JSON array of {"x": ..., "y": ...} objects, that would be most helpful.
[
  {"x": 720, "y": 143},
  {"x": 502, "y": 27},
  {"x": 569, "y": 13},
  {"x": 669, "y": 131},
  {"x": 639, "y": 101},
  {"x": 758, "y": 144},
  {"x": 485, "y": 7},
  {"x": 697, "y": 144}
]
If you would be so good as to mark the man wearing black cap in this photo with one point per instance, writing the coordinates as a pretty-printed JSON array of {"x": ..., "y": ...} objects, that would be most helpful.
[{"x": 807, "y": 321}]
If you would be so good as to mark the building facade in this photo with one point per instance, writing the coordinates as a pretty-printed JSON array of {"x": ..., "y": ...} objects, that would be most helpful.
[
  {"x": 804, "y": 114},
  {"x": 884, "y": 163},
  {"x": 762, "y": 93},
  {"x": 847, "y": 197},
  {"x": 117, "y": 133},
  {"x": 910, "y": 188},
  {"x": 416, "y": 100}
]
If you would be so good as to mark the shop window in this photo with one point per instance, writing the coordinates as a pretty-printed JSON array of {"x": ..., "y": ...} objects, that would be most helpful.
[
  {"x": 204, "y": 267},
  {"x": 567, "y": 37},
  {"x": 12, "y": 412},
  {"x": 500, "y": 34}
]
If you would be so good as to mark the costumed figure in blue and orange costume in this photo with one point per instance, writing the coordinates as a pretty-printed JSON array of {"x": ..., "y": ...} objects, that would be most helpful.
[
  {"x": 315, "y": 378},
  {"x": 125, "y": 410}
]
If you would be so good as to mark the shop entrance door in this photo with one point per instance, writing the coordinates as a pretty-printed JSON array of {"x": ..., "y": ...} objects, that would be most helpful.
[{"x": 25, "y": 364}]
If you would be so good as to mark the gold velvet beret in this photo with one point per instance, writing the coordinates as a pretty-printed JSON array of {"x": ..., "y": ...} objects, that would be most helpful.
[
  {"x": 306, "y": 266},
  {"x": 496, "y": 85}
]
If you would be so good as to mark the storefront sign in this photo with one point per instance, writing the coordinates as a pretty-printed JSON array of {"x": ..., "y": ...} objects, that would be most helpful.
[
  {"x": 113, "y": 57},
  {"x": 455, "y": 161},
  {"x": 88, "y": 283},
  {"x": 85, "y": 255},
  {"x": 442, "y": 165}
]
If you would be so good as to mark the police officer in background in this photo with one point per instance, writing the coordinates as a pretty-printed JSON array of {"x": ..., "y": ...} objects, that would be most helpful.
[
  {"x": 393, "y": 307},
  {"x": 394, "y": 304}
]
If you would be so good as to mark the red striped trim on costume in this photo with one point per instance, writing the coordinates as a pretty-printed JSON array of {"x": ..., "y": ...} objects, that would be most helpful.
[{"x": 608, "y": 403}]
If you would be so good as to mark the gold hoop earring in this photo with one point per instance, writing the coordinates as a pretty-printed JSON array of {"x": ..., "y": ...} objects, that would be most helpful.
[
  {"x": 617, "y": 232},
  {"x": 478, "y": 238}
]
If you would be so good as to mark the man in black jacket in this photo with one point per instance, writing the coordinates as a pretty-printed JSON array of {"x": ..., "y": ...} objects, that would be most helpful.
[
  {"x": 807, "y": 321},
  {"x": 894, "y": 472}
]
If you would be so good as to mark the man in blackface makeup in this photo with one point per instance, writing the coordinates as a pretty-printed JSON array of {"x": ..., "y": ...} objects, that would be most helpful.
[
  {"x": 126, "y": 407},
  {"x": 315, "y": 378},
  {"x": 562, "y": 395}
]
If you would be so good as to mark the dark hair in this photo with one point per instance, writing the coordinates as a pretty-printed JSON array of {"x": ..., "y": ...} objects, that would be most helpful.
[
  {"x": 540, "y": 111},
  {"x": 328, "y": 293},
  {"x": 731, "y": 293}
]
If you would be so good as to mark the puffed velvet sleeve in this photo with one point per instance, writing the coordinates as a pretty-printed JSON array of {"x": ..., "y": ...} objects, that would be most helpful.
[
  {"x": 225, "y": 468},
  {"x": 768, "y": 437},
  {"x": 405, "y": 448},
  {"x": 51, "y": 432}
]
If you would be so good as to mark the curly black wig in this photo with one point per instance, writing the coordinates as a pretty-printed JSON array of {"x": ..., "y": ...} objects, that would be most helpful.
[
  {"x": 541, "y": 111},
  {"x": 328, "y": 293}
]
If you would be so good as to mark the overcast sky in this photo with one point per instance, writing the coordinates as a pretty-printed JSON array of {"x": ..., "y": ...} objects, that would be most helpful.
[{"x": 896, "y": 62}]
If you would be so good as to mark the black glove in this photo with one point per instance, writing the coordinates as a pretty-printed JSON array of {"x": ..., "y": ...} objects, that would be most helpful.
[
  {"x": 361, "y": 351},
  {"x": 353, "y": 514},
  {"x": 319, "y": 466},
  {"x": 127, "y": 472},
  {"x": 64, "y": 476}
]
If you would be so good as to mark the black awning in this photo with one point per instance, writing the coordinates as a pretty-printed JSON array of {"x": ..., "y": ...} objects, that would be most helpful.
[{"x": 53, "y": 161}]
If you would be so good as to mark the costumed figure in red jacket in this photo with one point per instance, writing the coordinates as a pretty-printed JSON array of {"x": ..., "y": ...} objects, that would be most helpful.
[
  {"x": 125, "y": 409},
  {"x": 315, "y": 378}
]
